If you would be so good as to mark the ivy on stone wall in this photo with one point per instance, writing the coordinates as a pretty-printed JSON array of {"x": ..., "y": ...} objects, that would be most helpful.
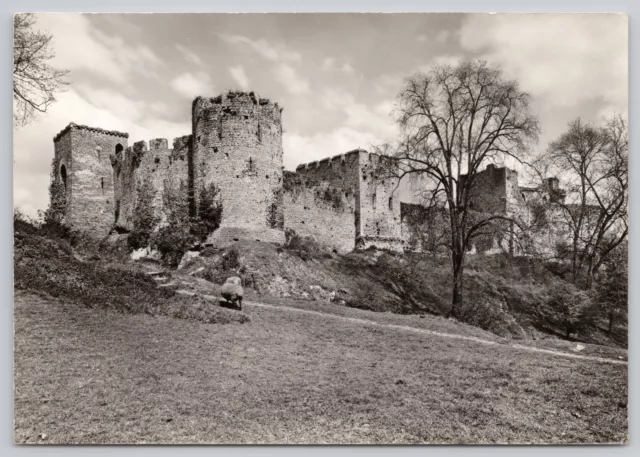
[
  {"x": 57, "y": 196},
  {"x": 275, "y": 211},
  {"x": 144, "y": 219},
  {"x": 183, "y": 232},
  {"x": 58, "y": 201},
  {"x": 209, "y": 211},
  {"x": 176, "y": 203}
]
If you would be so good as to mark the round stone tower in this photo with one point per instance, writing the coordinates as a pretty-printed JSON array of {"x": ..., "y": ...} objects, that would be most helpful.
[{"x": 237, "y": 146}]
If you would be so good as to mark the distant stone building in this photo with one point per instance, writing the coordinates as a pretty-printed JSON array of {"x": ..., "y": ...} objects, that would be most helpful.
[{"x": 344, "y": 201}]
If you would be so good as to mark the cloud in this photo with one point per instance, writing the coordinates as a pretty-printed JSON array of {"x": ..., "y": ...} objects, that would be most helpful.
[
  {"x": 330, "y": 64},
  {"x": 359, "y": 126},
  {"x": 192, "y": 84},
  {"x": 563, "y": 59},
  {"x": 347, "y": 68},
  {"x": 361, "y": 116},
  {"x": 269, "y": 51},
  {"x": 291, "y": 79},
  {"x": 302, "y": 149},
  {"x": 240, "y": 76},
  {"x": 189, "y": 55},
  {"x": 79, "y": 45},
  {"x": 33, "y": 144}
]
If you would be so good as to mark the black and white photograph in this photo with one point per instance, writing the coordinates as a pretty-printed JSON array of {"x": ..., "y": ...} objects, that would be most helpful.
[{"x": 320, "y": 228}]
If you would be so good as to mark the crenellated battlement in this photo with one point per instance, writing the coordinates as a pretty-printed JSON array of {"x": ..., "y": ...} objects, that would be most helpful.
[
  {"x": 235, "y": 145},
  {"x": 74, "y": 126}
]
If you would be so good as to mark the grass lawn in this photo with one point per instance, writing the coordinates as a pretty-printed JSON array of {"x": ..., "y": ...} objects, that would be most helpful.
[{"x": 97, "y": 376}]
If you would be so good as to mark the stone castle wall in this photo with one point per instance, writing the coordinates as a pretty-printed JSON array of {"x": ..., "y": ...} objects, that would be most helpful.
[
  {"x": 377, "y": 208},
  {"x": 84, "y": 155},
  {"x": 380, "y": 219},
  {"x": 320, "y": 210},
  {"x": 345, "y": 201},
  {"x": 237, "y": 146},
  {"x": 157, "y": 169}
]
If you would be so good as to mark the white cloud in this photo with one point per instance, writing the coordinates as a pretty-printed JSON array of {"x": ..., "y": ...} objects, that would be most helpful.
[
  {"x": 347, "y": 68},
  {"x": 362, "y": 117},
  {"x": 33, "y": 144},
  {"x": 240, "y": 76},
  {"x": 189, "y": 55},
  {"x": 561, "y": 58},
  {"x": 442, "y": 36},
  {"x": 361, "y": 126},
  {"x": 328, "y": 63},
  {"x": 302, "y": 149},
  {"x": 192, "y": 84},
  {"x": 269, "y": 51},
  {"x": 291, "y": 79},
  {"x": 78, "y": 45}
]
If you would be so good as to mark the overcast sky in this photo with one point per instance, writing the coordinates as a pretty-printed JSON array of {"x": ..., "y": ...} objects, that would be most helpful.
[{"x": 336, "y": 75}]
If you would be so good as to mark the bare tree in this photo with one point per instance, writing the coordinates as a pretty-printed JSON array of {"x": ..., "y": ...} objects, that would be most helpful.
[
  {"x": 592, "y": 164},
  {"x": 35, "y": 82},
  {"x": 454, "y": 119}
]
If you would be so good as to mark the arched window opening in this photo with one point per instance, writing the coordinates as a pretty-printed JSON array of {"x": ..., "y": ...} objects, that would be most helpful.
[
  {"x": 373, "y": 201},
  {"x": 63, "y": 175},
  {"x": 391, "y": 203},
  {"x": 102, "y": 183},
  {"x": 119, "y": 148}
]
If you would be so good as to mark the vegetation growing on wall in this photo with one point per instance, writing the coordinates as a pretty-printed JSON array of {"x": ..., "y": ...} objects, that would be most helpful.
[
  {"x": 183, "y": 232},
  {"x": 144, "y": 218}
]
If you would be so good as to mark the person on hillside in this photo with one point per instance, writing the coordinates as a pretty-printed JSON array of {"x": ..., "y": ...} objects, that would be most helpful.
[{"x": 232, "y": 292}]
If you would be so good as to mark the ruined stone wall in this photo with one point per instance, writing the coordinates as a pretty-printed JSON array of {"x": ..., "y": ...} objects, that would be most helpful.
[
  {"x": 380, "y": 219},
  {"x": 377, "y": 206},
  {"x": 341, "y": 171},
  {"x": 237, "y": 146},
  {"x": 164, "y": 170},
  {"x": 85, "y": 154},
  {"x": 489, "y": 191},
  {"x": 317, "y": 209},
  {"x": 425, "y": 229}
]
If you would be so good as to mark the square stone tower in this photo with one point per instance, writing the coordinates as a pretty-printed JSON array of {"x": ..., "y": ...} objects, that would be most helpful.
[{"x": 82, "y": 189}]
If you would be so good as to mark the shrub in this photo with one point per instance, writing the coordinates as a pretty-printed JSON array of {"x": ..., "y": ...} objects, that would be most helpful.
[
  {"x": 209, "y": 209},
  {"x": 490, "y": 315},
  {"x": 566, "y": 308},
  {"x": 304, "y": 247},
  {"x": 172, "y": 241},
  {"x": 231, "y": 260}
]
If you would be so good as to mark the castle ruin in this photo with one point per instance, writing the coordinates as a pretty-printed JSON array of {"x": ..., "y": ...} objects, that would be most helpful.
[{"x": 98, "y": 181}]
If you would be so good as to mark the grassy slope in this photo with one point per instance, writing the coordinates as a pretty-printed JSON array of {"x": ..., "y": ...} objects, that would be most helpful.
[
  {"x": 96, "y": 376},
  {"x": 49, "y": 264},
  {"x": 508, "y": 289}
]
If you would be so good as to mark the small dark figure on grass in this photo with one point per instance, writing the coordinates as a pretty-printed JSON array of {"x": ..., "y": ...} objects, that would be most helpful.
[{"x": 232, "y": 293}]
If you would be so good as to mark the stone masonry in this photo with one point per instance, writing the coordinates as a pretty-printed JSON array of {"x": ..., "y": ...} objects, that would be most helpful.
[
  {"x": 236, "y": 145},
  {"x": 82, "y": 166}
]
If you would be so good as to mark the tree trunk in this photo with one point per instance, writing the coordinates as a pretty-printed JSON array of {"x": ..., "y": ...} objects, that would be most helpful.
[{"x": 456, "y": 301}]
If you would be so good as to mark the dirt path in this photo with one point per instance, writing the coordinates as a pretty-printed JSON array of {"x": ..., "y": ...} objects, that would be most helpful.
[{"x": 406, "y": 328}]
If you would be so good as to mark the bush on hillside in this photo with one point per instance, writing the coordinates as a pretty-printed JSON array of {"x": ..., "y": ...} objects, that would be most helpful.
[
  {"x": 566, "y": 308},
  {"x": 305, "y": 247},
  {"x": 48, "y": 264}
]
